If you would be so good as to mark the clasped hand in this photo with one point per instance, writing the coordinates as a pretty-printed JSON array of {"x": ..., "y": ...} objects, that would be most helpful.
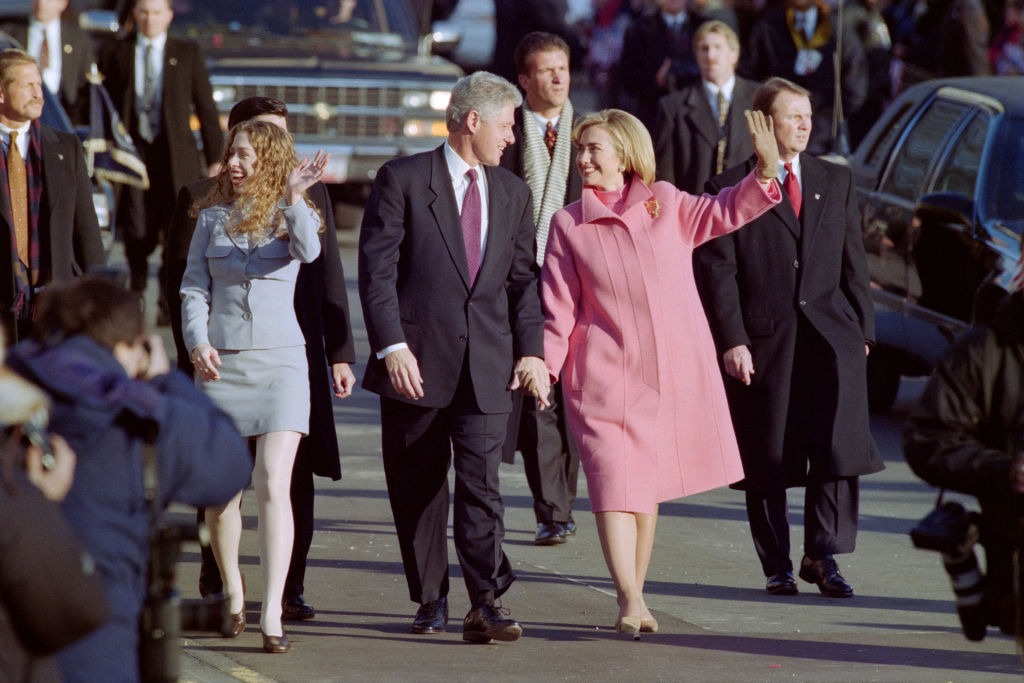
[
  {"x": 762, "y": 134},
  {"x": 531, "y": 376}
]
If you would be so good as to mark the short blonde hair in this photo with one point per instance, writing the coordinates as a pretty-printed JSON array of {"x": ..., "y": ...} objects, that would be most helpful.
[
  {"x": 721, "y": 28},
  {"x": 630, "y": 138},
  {"x": 10, "y": 59}
]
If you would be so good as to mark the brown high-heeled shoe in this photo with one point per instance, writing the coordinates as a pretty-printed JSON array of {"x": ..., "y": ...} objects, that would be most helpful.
[
  {"x": 276, "y": 644},
  {"x": 237, "y": 619}
]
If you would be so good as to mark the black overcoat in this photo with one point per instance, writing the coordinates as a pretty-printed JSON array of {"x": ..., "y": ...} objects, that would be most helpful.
[{"x": 756, "y": 284}]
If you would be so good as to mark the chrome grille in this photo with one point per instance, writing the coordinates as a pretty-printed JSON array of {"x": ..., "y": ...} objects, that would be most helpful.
[{"x": 308, "y": 95}]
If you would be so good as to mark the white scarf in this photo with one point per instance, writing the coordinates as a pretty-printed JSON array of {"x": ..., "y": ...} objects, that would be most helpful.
[{"x": 546, "y": 174}]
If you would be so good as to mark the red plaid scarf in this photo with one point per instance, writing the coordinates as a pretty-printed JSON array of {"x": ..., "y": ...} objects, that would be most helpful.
[{"x": 24, "y": 277}]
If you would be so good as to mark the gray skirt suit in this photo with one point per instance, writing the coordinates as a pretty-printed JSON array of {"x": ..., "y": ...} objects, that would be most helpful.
[{"x": 238, "y": 296}]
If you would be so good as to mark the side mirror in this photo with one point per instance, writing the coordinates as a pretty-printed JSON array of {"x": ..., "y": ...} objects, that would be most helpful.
[
  {"x": 99, "y": 21},
  {"x": 444, "y": 41},
  {"x": 946, "y": 208}
]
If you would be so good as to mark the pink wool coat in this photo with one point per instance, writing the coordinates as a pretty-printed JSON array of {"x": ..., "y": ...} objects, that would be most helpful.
[{"x": 626, "y": 331}]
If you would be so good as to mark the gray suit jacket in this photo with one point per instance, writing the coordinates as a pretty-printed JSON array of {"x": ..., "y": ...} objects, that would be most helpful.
[{"x": 240, "y": 296}]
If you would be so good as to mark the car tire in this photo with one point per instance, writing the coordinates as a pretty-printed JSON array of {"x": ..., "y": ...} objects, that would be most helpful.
[{"x": 883, "y": 380}]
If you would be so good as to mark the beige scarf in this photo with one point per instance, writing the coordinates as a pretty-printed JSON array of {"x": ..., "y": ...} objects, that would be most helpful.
[{"x": 546, "y": 174}]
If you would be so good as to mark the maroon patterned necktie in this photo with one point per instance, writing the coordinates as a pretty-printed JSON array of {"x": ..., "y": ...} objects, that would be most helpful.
[
  {"x": 792, "y": 187},
  {"x": 471, "y": 225},
  {"x": 550, "y": 138}
]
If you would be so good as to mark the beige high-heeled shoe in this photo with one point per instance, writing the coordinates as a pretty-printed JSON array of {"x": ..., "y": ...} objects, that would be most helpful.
[
  {"x": 628, "y": 625},
  {"x": 649, "y": 625}
]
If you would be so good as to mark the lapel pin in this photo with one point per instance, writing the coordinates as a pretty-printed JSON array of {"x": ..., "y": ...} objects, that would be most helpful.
[
  {"x": 817, "y": 196},
  {"x": 60, "y": 156},
  {"x": 652, "y": 207},
  {"x": 173, "y": 61},
  {"x": 68, "y": 49}
]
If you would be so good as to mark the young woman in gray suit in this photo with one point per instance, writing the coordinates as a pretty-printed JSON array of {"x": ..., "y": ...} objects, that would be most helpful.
[{"x": 238, "y": 318}]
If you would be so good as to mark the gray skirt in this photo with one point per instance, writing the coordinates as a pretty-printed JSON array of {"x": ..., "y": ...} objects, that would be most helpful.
[{"x": 263, "y": 390}]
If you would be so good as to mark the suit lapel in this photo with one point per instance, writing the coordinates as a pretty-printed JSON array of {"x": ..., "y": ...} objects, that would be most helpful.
[
  {"x": 54, "y": 177},
  {"x": 813, "y": 187},
  {"x": 700, "y": 114},
  {"x": 446, "y": 212}
]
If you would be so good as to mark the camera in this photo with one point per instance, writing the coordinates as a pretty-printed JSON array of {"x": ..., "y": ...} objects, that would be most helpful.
[
  {"x": 953, "y": 532},
  {"x": 165, "y": 615}
]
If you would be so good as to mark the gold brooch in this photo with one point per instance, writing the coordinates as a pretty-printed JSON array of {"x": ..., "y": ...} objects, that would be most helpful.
[{"x": 652, "y": 207}]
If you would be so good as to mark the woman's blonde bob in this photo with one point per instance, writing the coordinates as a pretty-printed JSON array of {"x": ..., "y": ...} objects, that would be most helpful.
[{"x": 630, "y": 138}]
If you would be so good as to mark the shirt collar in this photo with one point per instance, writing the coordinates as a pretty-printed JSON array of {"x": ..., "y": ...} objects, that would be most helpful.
[
  {"x": 795, "y": 165},
  {"x": 457, "y": 166},
  {"x": 158, "y": 43},
  {"x": 727, "y": 88},
  {"x": 810, "y": 16},
  {"x": 672, "y": 20},
  {"x": 543, "y": 122},
  {"x": 22, "y": 131}
]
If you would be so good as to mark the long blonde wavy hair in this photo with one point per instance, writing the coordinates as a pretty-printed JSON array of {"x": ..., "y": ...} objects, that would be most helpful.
[{"x": 255, "y": 209}]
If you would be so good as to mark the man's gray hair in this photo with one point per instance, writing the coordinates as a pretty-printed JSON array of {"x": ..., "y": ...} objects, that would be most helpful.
[{"x": 482, "y": 92}]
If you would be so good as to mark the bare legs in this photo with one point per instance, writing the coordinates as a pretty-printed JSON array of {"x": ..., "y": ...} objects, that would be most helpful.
[
  {"x": 271, "y": 479},
  {"x": 627, "y": 539}
]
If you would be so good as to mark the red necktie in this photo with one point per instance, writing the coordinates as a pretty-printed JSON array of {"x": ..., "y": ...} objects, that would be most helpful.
[
  {"x": 471, "y": 225},
  {"x": 792, "y": 187},
  {"x": 550, "y": 138}
]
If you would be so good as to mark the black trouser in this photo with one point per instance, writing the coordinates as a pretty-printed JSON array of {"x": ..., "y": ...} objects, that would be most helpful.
[
  {"x": 830, "y": 523},
  {"x": 418, "y": 446},
  {"x": 302, "y": 495},
  {"x": 550, "y": 456},
  {"x": 143, "y": 215}
]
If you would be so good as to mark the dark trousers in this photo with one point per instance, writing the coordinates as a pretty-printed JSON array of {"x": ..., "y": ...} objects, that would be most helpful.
[
  {"x": 830, "y": 522},
  {"x": 550, "y": 457},
  {"x": 419, "y": 444},
  {"x": 302, "y": 495},
  {"x": 143, "y": 215}
]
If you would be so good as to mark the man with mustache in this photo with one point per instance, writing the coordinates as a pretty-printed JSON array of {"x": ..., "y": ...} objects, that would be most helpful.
[{"x": 48, "y": 227}]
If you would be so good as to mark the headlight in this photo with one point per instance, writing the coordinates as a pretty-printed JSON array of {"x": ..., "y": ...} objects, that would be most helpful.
[
  {"x": 223, "y": 94},
  {"x": 439, "y": 100},
  {"x": 415, "y": 99},
  {"x": 419, "y": 129}
]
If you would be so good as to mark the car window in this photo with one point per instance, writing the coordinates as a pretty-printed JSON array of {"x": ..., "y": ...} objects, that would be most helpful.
[
  {"x": 880, "y": 151},
  {"x": 1005, "y": 198},
  {"x": 906, "y": 175},
  {"x": 959, "y": 172}
]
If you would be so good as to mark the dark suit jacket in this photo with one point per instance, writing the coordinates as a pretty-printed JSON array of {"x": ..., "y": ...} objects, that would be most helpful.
[
  {"x": 770, "y": 51},
  {"x": 414, "y": 282},
  {"x": 321, "y": 307},
  {"x": 645, "y": 46},
  {"x": 757, "y": 284},
  {"x": 512, "y": 159},
  {"x": 186, "y": 90},
  {"x": 69, "y": 232},
  {"x": 686, "y": 135},
  {"x": 75, "y": 60}
]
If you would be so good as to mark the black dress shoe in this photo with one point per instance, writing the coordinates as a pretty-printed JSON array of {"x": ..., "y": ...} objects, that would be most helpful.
[
  {"x": 825, "y": 573},
  {"x": 549, "y": 533},
  {"x": 296, "y": 608},
  {"x": 570, "y": 527},
  {"x": 431, "y": 617},
  {"x": 781, "y": 584},
  {"x": 485, "y": 623}
]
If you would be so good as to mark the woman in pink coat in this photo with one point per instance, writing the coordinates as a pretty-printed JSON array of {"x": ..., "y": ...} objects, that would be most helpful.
[{"x": 626, "y": 332}]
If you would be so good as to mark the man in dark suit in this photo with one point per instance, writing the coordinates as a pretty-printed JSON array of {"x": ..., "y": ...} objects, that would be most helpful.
[
  {"x": 48, "y": 227},
  {"x": 513, "y": 19},
  {"x": 701, "y": 130},
  {"x": 62, "y": 50},
  {"x": 321, "y": 306},
  {"x": 448, "y": 283},
  {"x": 789, "y": 305},
  {"x": 157, "y": 83},
  {"x": 543, "y": 155},
  {"x": 798, "y": 42},
  {"x": 657, "y": 57}
]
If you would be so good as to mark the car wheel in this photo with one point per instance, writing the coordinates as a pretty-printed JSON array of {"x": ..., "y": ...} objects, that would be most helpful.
[{"x": 883, "y": 380}]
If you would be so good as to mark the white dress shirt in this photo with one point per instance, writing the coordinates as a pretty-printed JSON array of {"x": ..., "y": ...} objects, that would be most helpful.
[
  {"x": 796, "y": 170},
  {"x": 157, "y": 55},
  {"x": 51, "y": 74},
  {"x": 711, "y": 90},
  {"x": 5, "y": 134},
  {"x": 542, "y": 123}
]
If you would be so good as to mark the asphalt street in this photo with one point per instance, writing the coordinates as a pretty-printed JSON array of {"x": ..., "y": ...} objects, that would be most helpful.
[{"x": 705, "y": 587}]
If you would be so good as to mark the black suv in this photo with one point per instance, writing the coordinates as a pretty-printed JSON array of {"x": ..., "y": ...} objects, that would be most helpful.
[
  {"x": 358, "y": 80},
  {"x": 940, "y": 182}
]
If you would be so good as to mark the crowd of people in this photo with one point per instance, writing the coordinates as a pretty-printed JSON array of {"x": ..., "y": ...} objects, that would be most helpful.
[{"x": 671, "y": 293}]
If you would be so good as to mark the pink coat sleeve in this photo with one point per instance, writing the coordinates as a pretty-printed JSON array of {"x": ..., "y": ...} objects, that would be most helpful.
[
  {"x": 710, "y": 216},
  {"x": 560, "y": 291}
]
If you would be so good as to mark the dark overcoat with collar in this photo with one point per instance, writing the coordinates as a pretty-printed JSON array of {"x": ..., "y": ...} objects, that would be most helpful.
[
  {"x": 186, "y": 90},
  {"x": 512, "y": 159},
  {"x": 414, "y": 282},
  {"x": 686, "y": 135},
  {"x": 321, "y": 307},
  {"x": 68, "y": 231},
  {"x": 75, "y": 61},
  {"x": 755, "y": 284}
]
